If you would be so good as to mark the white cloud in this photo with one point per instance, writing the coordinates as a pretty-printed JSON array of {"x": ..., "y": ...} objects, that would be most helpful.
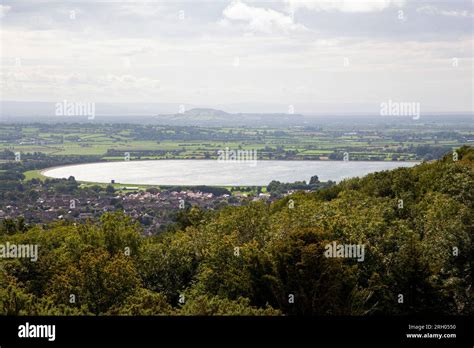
[
  {"x": 3, "y": 10},
  {"x": 260, "y": 19},
  {"x": 344, "y": 5},
  {"x": 139, "y": 54},
  {"x": 140, "y": 9},
  {"x": 432, "y": 10}
]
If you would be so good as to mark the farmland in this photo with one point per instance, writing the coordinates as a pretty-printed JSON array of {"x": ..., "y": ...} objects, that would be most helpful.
[{"x": 324, "y": 142}]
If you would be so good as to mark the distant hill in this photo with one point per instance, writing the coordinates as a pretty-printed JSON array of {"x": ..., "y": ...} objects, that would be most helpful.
[
  {"x": 205, "y": 112},
  {"x": 219, "y": 118},
  {"x": 258, "y": 116}
]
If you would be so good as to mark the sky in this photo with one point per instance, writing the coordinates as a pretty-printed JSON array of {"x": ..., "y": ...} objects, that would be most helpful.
[{"x": 307, "y": 54}]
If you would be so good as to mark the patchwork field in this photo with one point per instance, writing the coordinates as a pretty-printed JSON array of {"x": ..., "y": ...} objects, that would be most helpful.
[{"x": 112, "y": 141}]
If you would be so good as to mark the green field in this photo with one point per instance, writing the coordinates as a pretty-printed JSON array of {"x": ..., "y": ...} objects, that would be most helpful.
[
  {"x": 112, "y": 141},
  {"x": 34, "y": 174}
]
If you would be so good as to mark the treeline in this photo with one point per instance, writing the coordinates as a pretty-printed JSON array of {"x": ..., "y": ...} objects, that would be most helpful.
[
  {"x": 137, "y": 154},
  {"x": 39, "y": 160},
  {"x": 278, "y": 188},
  {"x": 12, "y": 184},
  {"x": 416, "y": 225}
]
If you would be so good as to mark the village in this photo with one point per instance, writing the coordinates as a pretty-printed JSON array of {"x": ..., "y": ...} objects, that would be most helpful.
[{"x": 153, "y": 209}]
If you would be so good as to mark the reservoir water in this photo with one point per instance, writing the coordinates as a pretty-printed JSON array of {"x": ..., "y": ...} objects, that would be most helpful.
[{"x": 213, "y": 172}]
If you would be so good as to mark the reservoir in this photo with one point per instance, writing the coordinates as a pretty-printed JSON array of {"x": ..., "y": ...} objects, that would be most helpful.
[{"x": 215, "y": 173}]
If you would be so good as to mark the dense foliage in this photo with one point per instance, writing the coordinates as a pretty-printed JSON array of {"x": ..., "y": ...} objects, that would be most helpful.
[
  {"x": 278, "y": 188},
  {"x": 416, "y": 225}
]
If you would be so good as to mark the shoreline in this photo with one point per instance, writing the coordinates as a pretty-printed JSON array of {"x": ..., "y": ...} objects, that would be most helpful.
[{"x": 44, "y": 171}]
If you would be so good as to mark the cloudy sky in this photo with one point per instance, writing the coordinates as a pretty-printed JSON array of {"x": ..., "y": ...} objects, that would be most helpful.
[{"x": 216, "y": 52}]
